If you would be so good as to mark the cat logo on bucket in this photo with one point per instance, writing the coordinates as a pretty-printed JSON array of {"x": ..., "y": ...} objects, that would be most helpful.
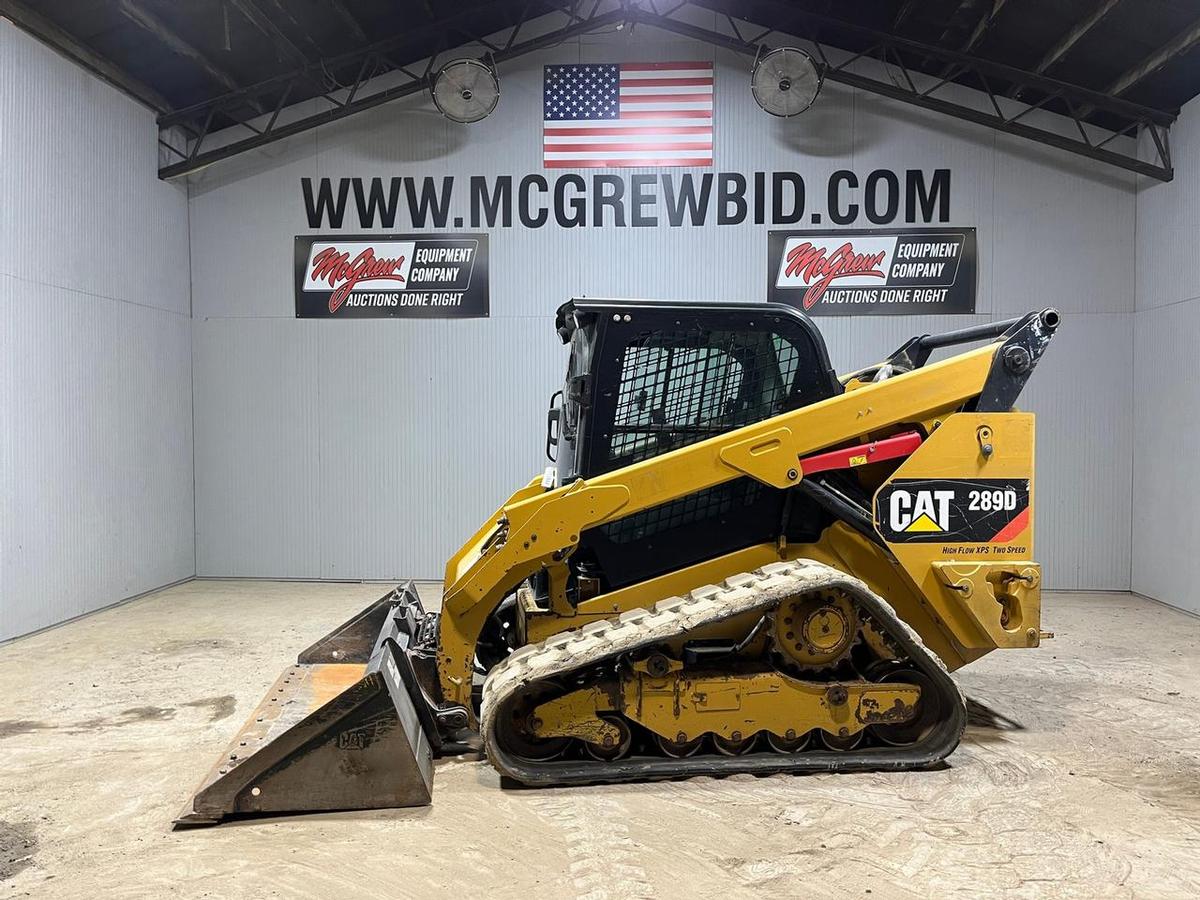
[{"x": 920, "y": 511}]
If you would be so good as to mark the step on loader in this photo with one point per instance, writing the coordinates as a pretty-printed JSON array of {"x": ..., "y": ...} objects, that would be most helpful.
[{"x": 739, "y": 562}]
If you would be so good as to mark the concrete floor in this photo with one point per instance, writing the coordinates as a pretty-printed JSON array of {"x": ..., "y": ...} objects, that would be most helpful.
[{"x": 107, "y": 723}]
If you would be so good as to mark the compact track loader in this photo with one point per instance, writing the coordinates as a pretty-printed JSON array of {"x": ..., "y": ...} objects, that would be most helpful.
[{"x": 740, "y": 562}]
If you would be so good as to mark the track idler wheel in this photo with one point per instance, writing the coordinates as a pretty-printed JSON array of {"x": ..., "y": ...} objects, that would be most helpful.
[
  {"x": 929, "y": 707},
  {"x": 789, "y": 743},
  {"x": 610, "y": 752},
  {"x": 517, "y": 728},
  {"x": 839, "y": 743},
  {"x": 679, "y": 749},
  {"x": 735, "y": 745}
]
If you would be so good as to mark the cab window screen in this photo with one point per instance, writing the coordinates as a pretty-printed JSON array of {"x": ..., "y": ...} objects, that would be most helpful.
[{"x": 677, "y": 388}]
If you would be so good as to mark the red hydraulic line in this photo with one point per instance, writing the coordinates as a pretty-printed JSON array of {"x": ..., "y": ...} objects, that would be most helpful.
[{"x": 889, "y": 448}]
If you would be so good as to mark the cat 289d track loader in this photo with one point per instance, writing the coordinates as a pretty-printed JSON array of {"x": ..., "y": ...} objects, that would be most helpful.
[{"x": 740, "y": 563}]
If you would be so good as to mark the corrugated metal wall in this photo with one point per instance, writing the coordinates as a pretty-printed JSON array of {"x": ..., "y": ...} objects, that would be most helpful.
[
  {"x": 95, "y": 356},
  {"x": 1166, "y": 481},
  {"x": 369, "y": 449}
]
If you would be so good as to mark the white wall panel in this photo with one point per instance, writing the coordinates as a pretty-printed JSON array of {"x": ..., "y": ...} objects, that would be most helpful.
[
  {"x": 889, "y": 134},
  {"x": 7, "y": 431},
  {"x": 1062, "y": 233},
  {"x": 97, "y": 499},
  {"x": 95, "y": 357},
  {"x": 258, "y": 467},
  {"x": 1052, "y": 230},
  {"x": 84, "y": 207},
  {"x": 1082, "y": 394},
  {"x": 241, "y": 241},
  {"x": 1166, "y": 482},
  {"x": 434, "y": 425},
  {"x": 362, "y": 450},
  {"x": 1168, "y": 266}
]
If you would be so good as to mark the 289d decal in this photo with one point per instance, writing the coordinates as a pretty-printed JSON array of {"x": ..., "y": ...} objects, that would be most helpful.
[{"x": 971, "y": 510}]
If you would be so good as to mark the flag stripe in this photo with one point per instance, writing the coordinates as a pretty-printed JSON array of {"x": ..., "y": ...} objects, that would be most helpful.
[
  {"x": 676, "y": 79},
  {"x": 609, "y": 153},
  {"x": 663, "y": 66},
  {"x": 689, "y": 99},
  {"x": 683, "y": 70},
  {"x": 667, "y": 114},
  {"x": 639, "y": 139},
  {"x": 700, "y": 108},
  {"x": 594, "y": 163},
  {"x": 645, "y": 120},
  {"x": 672, "y": 82},
  {"x": 635, "y": 89},
  {"x": 629, "y": 130},
  {"x": 611, "y": 148}
]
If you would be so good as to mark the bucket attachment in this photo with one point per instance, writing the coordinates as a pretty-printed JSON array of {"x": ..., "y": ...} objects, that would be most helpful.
[{"x": 347, "y": 727}]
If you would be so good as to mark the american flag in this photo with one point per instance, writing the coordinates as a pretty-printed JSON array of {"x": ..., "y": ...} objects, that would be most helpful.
[{"x": 631, "y": 114}]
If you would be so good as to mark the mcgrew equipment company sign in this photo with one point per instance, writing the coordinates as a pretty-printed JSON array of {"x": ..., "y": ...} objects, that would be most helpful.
[
  {"x": 385, "y": 276},
  {"x": 873, "y": 272}
]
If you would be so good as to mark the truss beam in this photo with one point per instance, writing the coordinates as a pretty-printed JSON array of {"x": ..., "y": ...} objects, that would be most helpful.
[
  {"x": 1075, "y": 35},
  {"x": 894, "y": 52},
  {"x": 1168, "y": 53},
  {"x": 259, "y": 19},
  {"x": 359, "y": 95},
  {"x": 45, "y": 30},
  {"x": 148, "y": 20}
]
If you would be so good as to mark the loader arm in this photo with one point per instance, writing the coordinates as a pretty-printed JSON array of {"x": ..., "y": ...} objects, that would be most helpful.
[{"x": 539, "y": 528}]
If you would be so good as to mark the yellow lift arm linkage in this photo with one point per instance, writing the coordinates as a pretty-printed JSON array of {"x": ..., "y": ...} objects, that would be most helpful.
[{"x": 538, "y": 528}]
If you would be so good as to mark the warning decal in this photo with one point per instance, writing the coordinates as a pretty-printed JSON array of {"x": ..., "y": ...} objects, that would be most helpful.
[{"x": 971, "y": 510}]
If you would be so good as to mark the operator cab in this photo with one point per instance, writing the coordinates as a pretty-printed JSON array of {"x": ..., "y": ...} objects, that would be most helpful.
[{"x": 648, "y": 377}]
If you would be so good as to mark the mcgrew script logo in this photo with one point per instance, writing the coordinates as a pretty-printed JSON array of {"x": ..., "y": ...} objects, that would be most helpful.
[
  {"x": 342, "y": 274},
  {"x": 818, "y": 270}
]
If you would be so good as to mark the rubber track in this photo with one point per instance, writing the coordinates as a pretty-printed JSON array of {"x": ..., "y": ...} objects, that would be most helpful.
[{"x": 565, "y": 653}]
